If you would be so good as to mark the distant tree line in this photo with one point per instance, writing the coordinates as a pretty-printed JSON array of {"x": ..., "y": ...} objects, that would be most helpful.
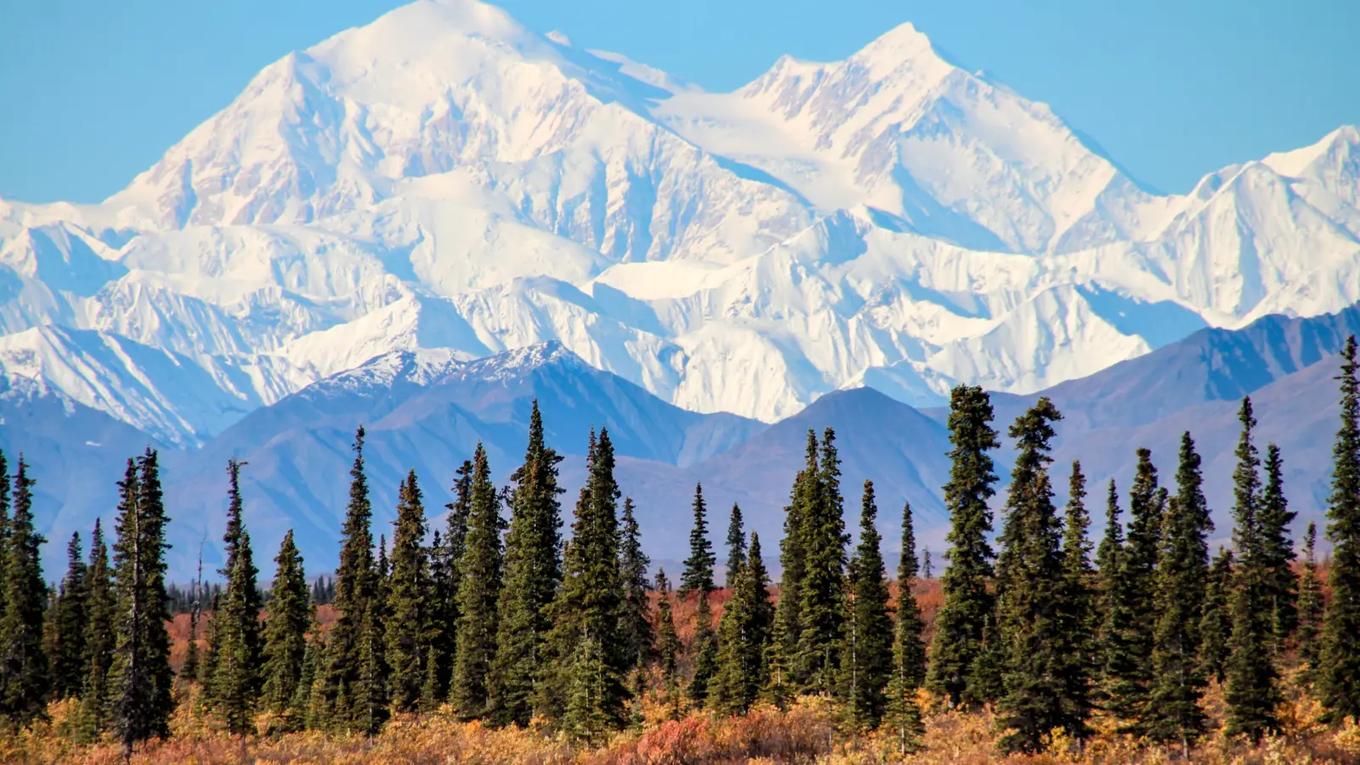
[{"x": 497, "y": 618}]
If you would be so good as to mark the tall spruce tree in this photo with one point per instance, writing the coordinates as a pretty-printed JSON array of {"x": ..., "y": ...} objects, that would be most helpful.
[
  {"x": 285, "y": 630},
  {"x": 444, "y": 556},
  {"x": 788, "y": 619},
  {"x": 633, "y": 563},
  {"x": 1339, "y": 663},
  {"x": 587, "y": 611},
  {"x": 24, "y": 676},
  {"x": 67, "y": 653},
  {"x": 1215, "y": 624},
  {"x": 822, "y": 612},
  {"x": 409, "y": 599},
  {"x": 1174, "y": 713},
  {"x": 743, "y": 636},
  {"x": 1078, "y": 649},
  {"x": 479, "y": 575},
  {"x": 533, "y": 571},
  {"x": 968, "y": 603},
  {"x": 1030, "y": 610},
  {"x": 1116, "y": 615},
  {"x": 902, "y": 713},
  {"x": 1252, "y": 693},
  {"x": 867, "y": 656},
  {"x": 1310, "y": 604},
  {"x": 1277, "y": 550},
  {"x": 92, "y": 717},
  {"x": 4, "y": 518},
  {"x": 698, "y": 573},
  {"x": 237, "y": 651},
  {"x": 343, "y": 691},
  {"x": 736, "y": 544},
  {"x": 140, "y": 676},
  {"x": 703, "y": 651},
  {"x": 1131, "y": 678}
]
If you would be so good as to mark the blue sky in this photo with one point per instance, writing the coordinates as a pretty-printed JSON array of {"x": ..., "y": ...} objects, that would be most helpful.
[{"x": 93, "y": 92}]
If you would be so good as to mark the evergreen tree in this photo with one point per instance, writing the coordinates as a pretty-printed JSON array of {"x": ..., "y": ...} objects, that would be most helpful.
[
  {"x": 24, "y": 677},
  {"x": 1277, "y": 550},
  {"x": 704, "y": 650},
  {"x": 903, "y": 712},
  {"x": 68, "y": 619},
  {"x": 1215, "y": 624},
  {"x": 408, "y": 601},
  {"x": 296, "y": 711},
  {"x": 968, "y": 603},
  {"x": 92, "y": 717},
  {"x": 1034, "y": 644},
  {"x": 1252, "y": 693},
  {"x": 285, "y": 630},
  {"x": 867, "y": 657},
  {"x": 4, "y": 518},
  {"x": 140, "y": 676},
  {"x": 589, "y": 694},
  {"x": 1339, "y": 662},
  {"x": 587, "y": 611},
  {"x": 1174, "y": 713},
  {"x": 927, "y": 570},
  {"x": 822, "y": 612},
  {"x": 444, "y": 583},
  {"x": 1116, "y": 614},
  {"x": 698, "y": 573},
  {"x": 668, "y": 643},
  {"x": 1132, "y": 678},
  {"x": 236, "y": 655},
  {"x": 533, "y": 571},
  {"x": 1077, "y": 648},
  {"x": 633, "y": 563},
  {"x": 736, "y": 544},
  {"x": 784, "y": 649},
  {"x": 743, "y": 636},
  {"x": 343, "y": 692},
  {"x": 479, "y": 575},
  {"x": 1310, "y": 603}
]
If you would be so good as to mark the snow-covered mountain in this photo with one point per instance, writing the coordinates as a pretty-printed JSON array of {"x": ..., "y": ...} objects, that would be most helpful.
[{"x": 444, "y": 178}]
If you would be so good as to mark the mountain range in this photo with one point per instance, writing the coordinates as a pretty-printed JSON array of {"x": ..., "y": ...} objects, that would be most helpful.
[{"x": 384, "y": 226}]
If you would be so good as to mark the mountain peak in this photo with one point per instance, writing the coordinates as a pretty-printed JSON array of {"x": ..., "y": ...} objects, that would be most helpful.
[{"x": 903, "y": 41}]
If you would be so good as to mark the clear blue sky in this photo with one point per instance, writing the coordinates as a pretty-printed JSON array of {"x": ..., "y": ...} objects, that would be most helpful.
[{"x": 93, "y": 92}]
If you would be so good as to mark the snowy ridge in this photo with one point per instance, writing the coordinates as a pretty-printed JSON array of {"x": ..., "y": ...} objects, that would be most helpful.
[{"x": 447, "y": 179}]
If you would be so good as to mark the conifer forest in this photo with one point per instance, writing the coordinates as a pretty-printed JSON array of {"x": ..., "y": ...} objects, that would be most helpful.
[{"x": 527, "y": 626}]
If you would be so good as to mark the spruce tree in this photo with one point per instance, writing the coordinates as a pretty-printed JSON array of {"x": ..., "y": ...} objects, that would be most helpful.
[
  {"x": 703, "y": 651},
  {"x": 698, "y": 573},
  {"x": 1031, "y": 628},
  {"x": 479, "y": 575},
  {"x": 285, "y": 630},
  {"x": 784, "y": 649},
  {"x": 1339, "y": 663},
  {"x": 1252, "y": 693},
  {"x": 867, "y": 656},
  {"x": 1078, "y": 649},
  {"x": 822, "y": 612},
  {"x": 140, "y": 676},
  {"x": 633, "y": 563},
  {"x": 533, "y": 571},
  {"x": 24, "y": 672},
  {"x": 408, "y": 600},
  {"x": 587, "y": 611},
  {"x": 736, "y": 544},
  {"x": 1174, "y": 713},
  {"x": 668, "y": 643},
  {"x": 92, "y": 717},
  {"x": 1310, "y": 603},
  {"x": 902, "y": 713},
  {"x": 968, "y": 603},
  {"x": 1215, "y": 624},
  {"x": 444, "y": 556},
  {"x": 342, "y": 692},
  {"x": 1277, "y": 550},
  {"x": 1116, "y": 617},
  {"x": 1132, "y": 684},
  {"x": 743, "y": 636},
  {"x": 67, "y": 654},
  {"x": 236, "y": 655},
  {"x": 4, "y": 518}
]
